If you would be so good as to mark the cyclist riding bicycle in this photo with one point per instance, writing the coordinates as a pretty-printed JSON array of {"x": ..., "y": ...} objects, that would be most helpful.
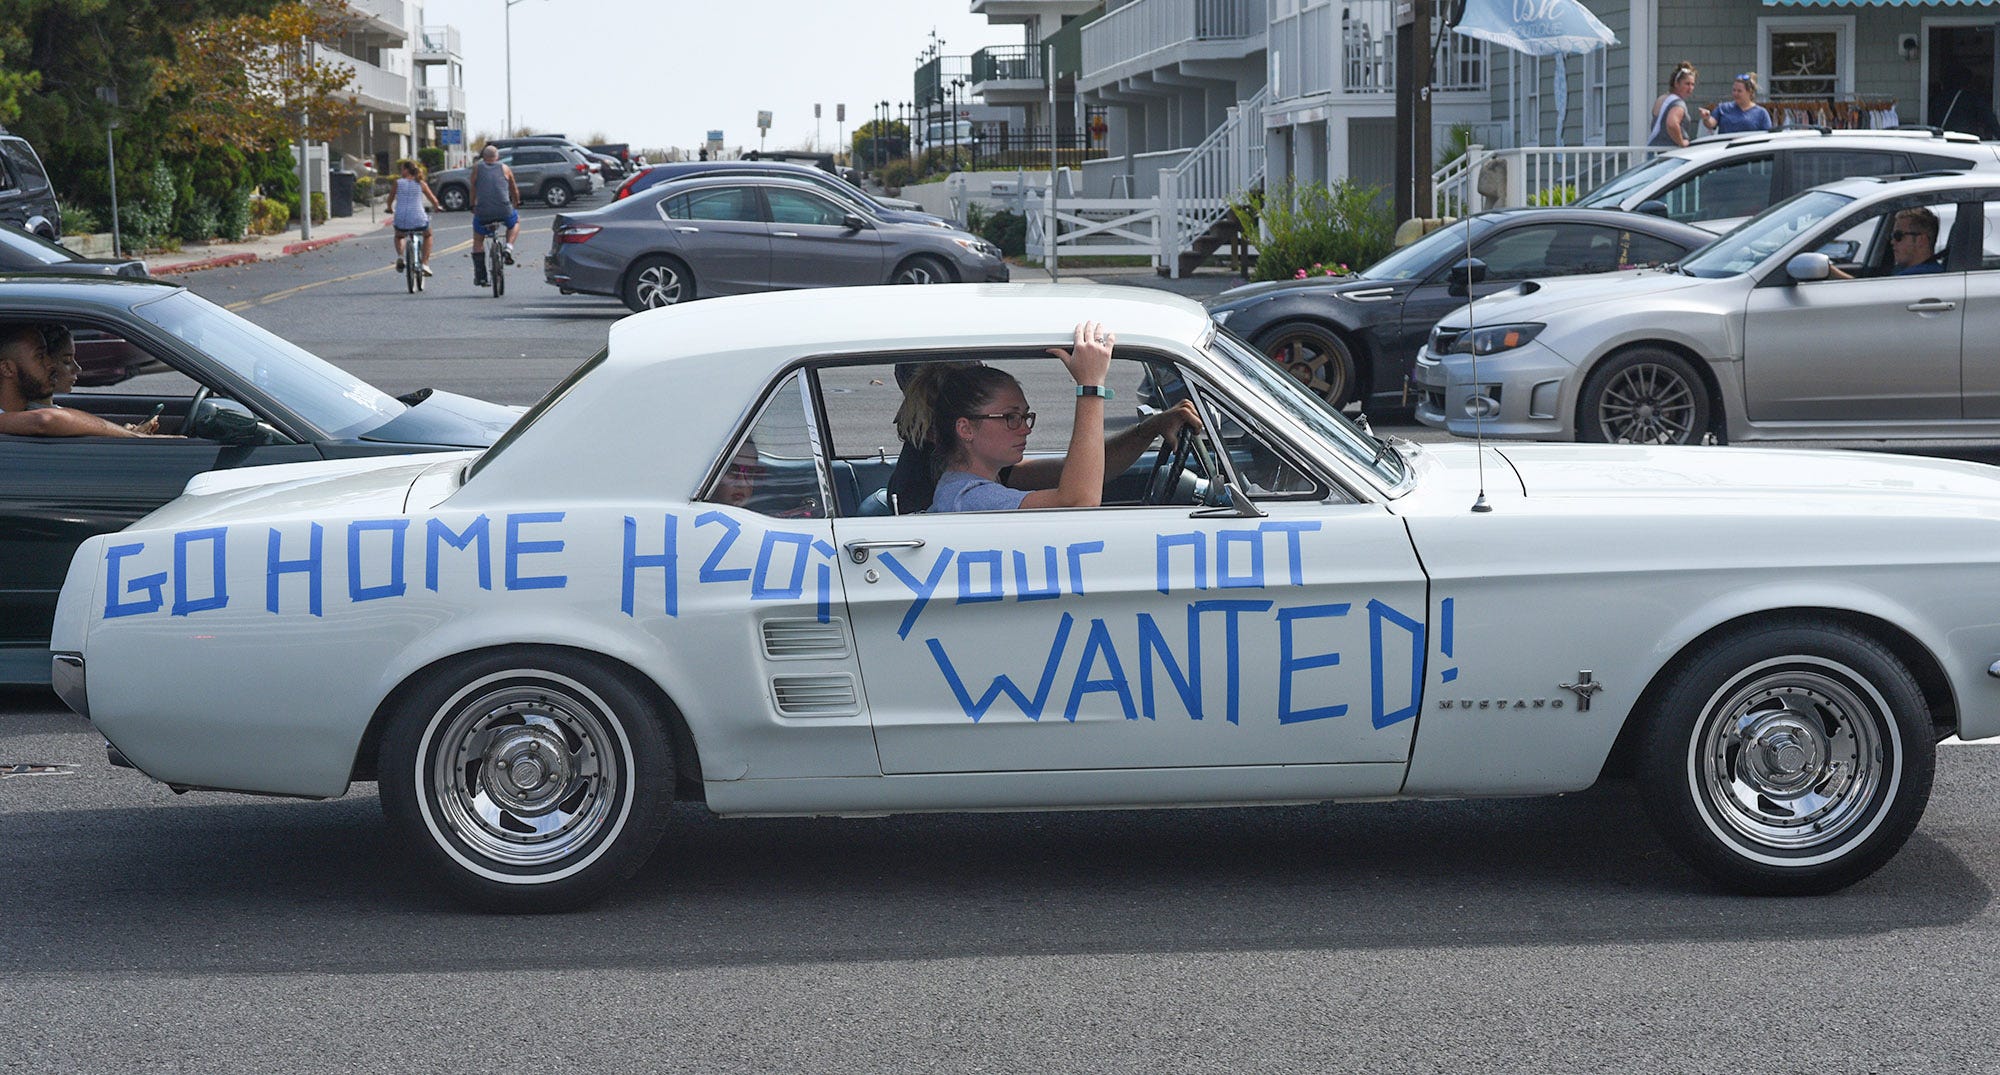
[
  {"x": 412, "y": 192},
  {"x": 494, "y": 198}
]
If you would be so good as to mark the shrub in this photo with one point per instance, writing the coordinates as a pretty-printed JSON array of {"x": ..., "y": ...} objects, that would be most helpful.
[
  {"x": 1562, "y": 195},
  {"x": 271, "y": 216},
  {"x": 364, "y": 189},
  {"x": 1344, "y": 224},
  {"x": 232, "y": 216},
  {"x": 1005, "y": 229},
  {"x": 201, "y": 220},
  {"x": 319, "y": 207},
  {"x": 152, "y": 213},
  {"x": 432, "y": 158},
  {"x": 78, "y": 220},
  {"x": 898, "y": 173}
]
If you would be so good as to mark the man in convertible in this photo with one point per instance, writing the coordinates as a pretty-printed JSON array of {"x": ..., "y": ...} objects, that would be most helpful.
[{"x": 29, "y": 371}]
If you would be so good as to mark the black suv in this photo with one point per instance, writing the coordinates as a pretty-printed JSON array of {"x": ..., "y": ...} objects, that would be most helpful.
[{"x": 26, "y": 199}]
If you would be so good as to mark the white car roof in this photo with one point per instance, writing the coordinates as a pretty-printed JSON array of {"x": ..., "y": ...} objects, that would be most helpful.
[
  {"x": 1708, "y": 148},
  {"x": 679, "y": 380}
]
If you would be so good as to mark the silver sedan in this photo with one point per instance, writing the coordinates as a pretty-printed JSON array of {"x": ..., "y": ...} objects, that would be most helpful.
[{"x": 731, "y": 235}]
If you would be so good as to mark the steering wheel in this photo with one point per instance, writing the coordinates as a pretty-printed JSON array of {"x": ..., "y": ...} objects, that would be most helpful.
[
  {"x": 191, "y": 425},
  {"x": 1165, "y": 476}
]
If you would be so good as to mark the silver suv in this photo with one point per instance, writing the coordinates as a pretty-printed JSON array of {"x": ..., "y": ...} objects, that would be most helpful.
[
  {"x": 554, "y": 174},
  {"x": 1820, "y": 319},
  {"x": 1717, "y": 183}
]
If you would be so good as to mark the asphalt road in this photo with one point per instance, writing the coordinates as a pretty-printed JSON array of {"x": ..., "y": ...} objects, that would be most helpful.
[{"x": 220, "y": 933}]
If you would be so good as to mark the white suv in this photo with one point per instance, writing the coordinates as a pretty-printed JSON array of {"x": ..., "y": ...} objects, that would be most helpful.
[{"x": 1717, "y": 183}]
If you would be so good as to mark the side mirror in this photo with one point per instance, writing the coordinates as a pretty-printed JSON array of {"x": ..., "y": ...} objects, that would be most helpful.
[
  {"x": 854, "y": 222},
  {"x": 1464, "y": 274},
  {"x": 1653, "y": 207},
  {"x": 1809, "y": 266}
]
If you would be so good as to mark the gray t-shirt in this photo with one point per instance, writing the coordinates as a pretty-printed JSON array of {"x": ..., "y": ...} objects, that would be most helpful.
[{"x": 960, "y": 491}]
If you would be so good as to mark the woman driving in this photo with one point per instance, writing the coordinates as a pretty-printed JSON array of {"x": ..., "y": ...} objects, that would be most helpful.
[{"x": 973, "y": 422}]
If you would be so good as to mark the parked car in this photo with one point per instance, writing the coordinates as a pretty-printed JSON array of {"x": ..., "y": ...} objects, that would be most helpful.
[
  {"x": 26, "y": 198},
  {"x": 605, "y": 169},
  {"x": 894, "y": 209},
  {"x": 549, "y": 173},
  {"x": 23, "y": 251},
  {"x": 1717, "y": 183},
  {"x": 610, "y": 167},
  {"x": 729, "y": 234},
  {"x": 535, "y": 653},
  {"x": 239, "y": 395},
  {"x": 621, "y": 150},
  {"x": 1754, "y": 338},
  {"x": 1355, "y": 338}
]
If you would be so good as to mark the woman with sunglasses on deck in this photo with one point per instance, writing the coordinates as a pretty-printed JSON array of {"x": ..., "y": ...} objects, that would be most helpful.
[
  {"x": 973, "y": 421},
  {"x": 1741, "y": 112}
]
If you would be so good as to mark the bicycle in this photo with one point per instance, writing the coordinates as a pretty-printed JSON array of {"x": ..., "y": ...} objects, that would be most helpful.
[
  {"x": 496, "y": 256},
  {"x": 413, "y": 259}
]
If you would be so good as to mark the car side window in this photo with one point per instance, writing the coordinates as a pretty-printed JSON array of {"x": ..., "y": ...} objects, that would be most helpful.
[
  {"x": 6, "y": 175},
  {"x": 772, "y": 470},
  {"x": 1637, "y": 249},
  {"x": 1738, "y": 188},
  {"x": 1522, "y": 253},
  {"x": 1989, "y": 243},
  {"x": 799, "y": 207},
  {"x": 720, "y": 203},
  {"x": 1811, "y": 167},
  {"x": 1865, "y": 247},
  {"x": 25, "y": 167}
]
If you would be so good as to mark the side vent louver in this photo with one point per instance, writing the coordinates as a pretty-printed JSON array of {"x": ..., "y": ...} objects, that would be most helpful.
[
  {"x": 815, "y": 696},
  {"x": 793, "y": 640}
]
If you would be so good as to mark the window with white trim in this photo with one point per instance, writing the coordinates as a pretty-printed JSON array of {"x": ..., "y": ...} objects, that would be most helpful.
[
  {"x": 1596, "y": 89},
  {"x": 1527, "y": 100},
  {"x": 1806, "y": 57}
]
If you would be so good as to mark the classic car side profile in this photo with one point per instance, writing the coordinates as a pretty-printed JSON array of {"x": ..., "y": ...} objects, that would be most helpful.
[{"x": 535, "y": 654}]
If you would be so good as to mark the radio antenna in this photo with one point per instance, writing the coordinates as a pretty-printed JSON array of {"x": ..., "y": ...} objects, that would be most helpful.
[{"x": 1476, "y": 403}]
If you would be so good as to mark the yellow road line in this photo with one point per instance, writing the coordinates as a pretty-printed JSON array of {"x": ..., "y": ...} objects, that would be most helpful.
[{"x": 290, "y": 291}]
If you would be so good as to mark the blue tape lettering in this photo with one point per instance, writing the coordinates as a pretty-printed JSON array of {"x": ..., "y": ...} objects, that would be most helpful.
[
  {"x": 1052, "y": 588},
  {"x": 218, "y": 596},
  {"x": 1226, "y": 581},
  {"x": 1077, "y": 551},
  {"x": 1291, "y": 530},
  {"x": 1378, "y": 614},
  {"x": 923, "y": 590},
  {"x": 711, "y": 568},
  {"x": 397, "y": 529},
  {"x": 1289, "y": 663},
  {"x": 154, "y": 585},
  {"x": 479, "y": 530},
  {"x": 1197, "y": 543},
  {"x": 667, "y": 560},
  {"x": 517, "y": 548},
  {"x": 1230, "y": 610},
  {"x": 994, "y": 590},
  {"x": 276, "y": 567},
  {"x": 1099, "y": 641},
  {"x": 1186, "y": 679},
  {"x": 1031, "y": 707}
]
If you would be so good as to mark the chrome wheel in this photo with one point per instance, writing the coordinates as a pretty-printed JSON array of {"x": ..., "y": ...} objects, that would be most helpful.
[
  {"x": 556, "y": 194},
  {"x": 1791, "y": 757},
  {"x": 1647, "y": 403},
  {"x": 656, "y": 284},
  {"x": 526, "y": 775}
]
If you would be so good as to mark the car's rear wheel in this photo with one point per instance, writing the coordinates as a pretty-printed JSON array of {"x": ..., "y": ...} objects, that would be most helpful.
[
  {"x": 1643, "y": 396},
  {"x": 1316, "y": 356},
  {"x": 1791, "y": 758},
  {"x": 653, "y": 282},
  {"x": 922, "y": 269},
  {"x": 453, "y": 197},
  {"x": 556, "y": 193},
  {"x": 528, "y": 779}
]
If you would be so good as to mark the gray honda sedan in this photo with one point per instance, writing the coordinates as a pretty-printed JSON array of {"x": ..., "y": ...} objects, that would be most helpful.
[{"x": 729, "y": 235}]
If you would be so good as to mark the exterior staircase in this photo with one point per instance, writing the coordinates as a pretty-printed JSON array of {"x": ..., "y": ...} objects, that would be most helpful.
[{"x": 1196, "y": 195}]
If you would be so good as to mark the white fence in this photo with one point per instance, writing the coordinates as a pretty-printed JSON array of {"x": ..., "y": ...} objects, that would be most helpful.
[{"x": 1528, "y": 175}]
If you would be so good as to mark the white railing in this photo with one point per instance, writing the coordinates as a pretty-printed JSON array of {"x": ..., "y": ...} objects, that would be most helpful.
[
  {"x": 438, "y": 42},
  {"x": 1144, "y": 27},
  {"x": 441, "y": 99},
  {"x": 1528, "y": 175},
  {"x": 1202, "y": 189},
  {"x": 1093, "y": 226},
  {"x": 384, "y": 89},
  {"x": 1350, "y": 48}
]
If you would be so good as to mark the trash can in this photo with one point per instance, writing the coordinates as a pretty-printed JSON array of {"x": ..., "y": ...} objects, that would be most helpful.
[{"x": 340, "y": 198}]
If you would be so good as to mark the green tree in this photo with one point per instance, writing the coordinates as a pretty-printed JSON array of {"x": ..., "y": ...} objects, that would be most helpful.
[{"x": 875, "y": 143}]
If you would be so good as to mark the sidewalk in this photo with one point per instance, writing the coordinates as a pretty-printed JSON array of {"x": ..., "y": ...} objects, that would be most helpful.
[{"x": 195, "y": 257}]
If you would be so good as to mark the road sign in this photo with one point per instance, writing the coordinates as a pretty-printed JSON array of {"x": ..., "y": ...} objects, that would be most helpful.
[
  {"x": 763, "y": 121},
  {"x": 451, "y": 136}
]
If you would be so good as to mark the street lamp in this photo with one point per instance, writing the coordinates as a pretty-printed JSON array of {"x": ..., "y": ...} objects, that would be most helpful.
[
  {"x": 883, "y": 129},
  {"x": 510, "y": 70},
  {"x": 957, "y": 84}
]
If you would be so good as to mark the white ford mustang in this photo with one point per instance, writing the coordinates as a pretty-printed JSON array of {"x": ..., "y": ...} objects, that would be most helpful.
[{"x": 680, "y": 576}]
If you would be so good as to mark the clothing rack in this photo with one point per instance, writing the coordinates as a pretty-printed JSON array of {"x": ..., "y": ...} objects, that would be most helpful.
[{"x": 1845, "y": 112}]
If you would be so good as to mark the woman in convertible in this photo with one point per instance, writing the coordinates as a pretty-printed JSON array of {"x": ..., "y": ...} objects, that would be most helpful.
[{"x": 971, "y": 422}]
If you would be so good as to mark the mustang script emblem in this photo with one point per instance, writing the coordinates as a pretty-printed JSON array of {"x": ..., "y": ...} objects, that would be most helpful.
[{"x": 1583, "y": 688}]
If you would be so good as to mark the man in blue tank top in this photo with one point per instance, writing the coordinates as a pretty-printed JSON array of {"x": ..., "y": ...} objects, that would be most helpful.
[{"x": 494, "y": 198}]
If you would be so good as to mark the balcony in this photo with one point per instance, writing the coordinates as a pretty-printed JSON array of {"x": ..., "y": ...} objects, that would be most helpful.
[
  {"x": 385, "y": 21},
  {"x": 1150, "y": 34},
  {"x": 1000, "y": 12},
  {"x": 376, "y": 89},
  {"x": 438, "y": 44},
  {"x": 933, "y": 80},
  {"x": 1350, "y": 48},
  {"x": 440, "y": 101}
]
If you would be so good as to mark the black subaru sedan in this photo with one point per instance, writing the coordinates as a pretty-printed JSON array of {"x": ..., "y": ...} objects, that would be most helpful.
[
  {"x": 236, "y": 396},
  {"x": 1355, "y": 338}
]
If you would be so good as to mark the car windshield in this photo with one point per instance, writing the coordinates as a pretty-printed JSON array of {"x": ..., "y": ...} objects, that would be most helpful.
[
  {"x": 335, "y": 402},
  {"x": 1307, "y": 407},
  {"x": 33, "y": 246},
  {"x": 1765, "y": 234},
  {"x": 1613, "y": 192},
  {"x": 1418, "y": 258}
]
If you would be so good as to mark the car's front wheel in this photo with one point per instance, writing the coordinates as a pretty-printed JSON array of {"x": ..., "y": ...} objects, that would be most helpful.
[
  {"x": 529, "y": 779},
  {"x": 1647, "y": 395},
  {"x": 1789, "y": 758},
  {"x": 657, "y": 281},
  {"x": 452, "y": 197},
  {"x": 1316, "y": 356},
  {"x": 922, "y": 269},
  {"x": 556, "y": 193}
]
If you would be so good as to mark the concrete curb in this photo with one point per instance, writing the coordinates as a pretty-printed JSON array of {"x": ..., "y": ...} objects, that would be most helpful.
[
  {"x": 245, "y": 257},
  {"x": 223, "y": 262}
]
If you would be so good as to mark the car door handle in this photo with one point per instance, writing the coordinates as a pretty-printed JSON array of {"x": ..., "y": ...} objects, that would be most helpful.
[
  {"x": 786, "y": 234},
  {"x": 857, "y": 551},
  {"x": 683, "y": 228},
  {"x": 1931, "y": 306}
]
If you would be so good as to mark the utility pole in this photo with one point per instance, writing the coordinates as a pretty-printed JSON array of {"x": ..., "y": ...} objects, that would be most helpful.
[
  {"x": 305, "y": 164},
  {"x": 1413, "y": 109}
]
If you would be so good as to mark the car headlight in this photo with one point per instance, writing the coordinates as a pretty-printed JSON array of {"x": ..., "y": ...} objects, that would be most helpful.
[
  {"x": 978, "y": 246},
  {"x": 1493, "y": 339}
]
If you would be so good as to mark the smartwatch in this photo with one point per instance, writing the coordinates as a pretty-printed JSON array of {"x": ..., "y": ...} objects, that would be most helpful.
[{"x": 1097, "y": 390}]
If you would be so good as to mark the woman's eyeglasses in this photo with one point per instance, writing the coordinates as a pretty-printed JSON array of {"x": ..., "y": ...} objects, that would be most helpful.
[{"x": 1015, "y": 421}]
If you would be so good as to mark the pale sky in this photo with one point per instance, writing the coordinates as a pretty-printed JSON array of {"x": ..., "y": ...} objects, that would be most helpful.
[{"x": 658, "y": 73}]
